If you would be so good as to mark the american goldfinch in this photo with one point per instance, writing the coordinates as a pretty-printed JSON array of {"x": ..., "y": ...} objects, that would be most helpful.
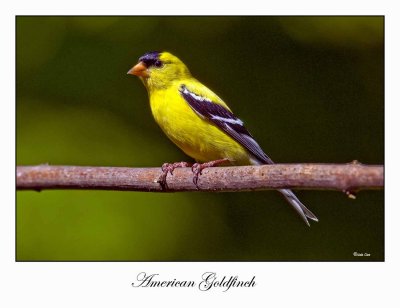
[{"x": 199, "y": 122}]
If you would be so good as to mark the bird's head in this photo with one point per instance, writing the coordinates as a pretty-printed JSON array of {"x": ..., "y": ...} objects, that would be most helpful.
[{"x": 158, "y": 70}]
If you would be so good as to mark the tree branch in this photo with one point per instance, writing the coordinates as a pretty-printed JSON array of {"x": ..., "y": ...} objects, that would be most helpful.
[{"x": 344, "y": 177}]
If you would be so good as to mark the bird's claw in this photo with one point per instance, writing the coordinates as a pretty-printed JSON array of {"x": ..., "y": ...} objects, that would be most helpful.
[
  {"x": 196, "y": 169},
  {"x": 168, "y": 167},
  {"x": 162, "y": 180}
]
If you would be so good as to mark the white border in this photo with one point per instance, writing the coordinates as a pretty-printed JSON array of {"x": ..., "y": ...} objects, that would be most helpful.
[{"x": 278, "y": 284}]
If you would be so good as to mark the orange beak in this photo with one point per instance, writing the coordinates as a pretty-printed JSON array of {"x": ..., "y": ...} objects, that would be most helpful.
[{"x": 140, "y": 70}]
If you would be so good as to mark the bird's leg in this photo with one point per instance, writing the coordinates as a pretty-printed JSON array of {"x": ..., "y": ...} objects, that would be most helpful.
[
  {"x": 197, "y": 168},
  {"x": 168, "y": 167}
]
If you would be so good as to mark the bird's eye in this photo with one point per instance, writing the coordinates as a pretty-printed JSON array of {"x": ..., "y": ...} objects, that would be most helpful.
[{"x": 158, "y": 63}]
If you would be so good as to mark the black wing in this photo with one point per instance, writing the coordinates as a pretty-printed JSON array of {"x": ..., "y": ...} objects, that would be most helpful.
[{"x": 225, "y": 120}]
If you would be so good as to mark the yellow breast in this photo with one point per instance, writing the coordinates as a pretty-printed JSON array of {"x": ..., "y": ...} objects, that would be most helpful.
[{"x": 197, "y": 137}]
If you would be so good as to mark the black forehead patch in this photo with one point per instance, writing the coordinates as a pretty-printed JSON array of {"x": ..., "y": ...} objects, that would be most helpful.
[{"x": 150, "y": 58}]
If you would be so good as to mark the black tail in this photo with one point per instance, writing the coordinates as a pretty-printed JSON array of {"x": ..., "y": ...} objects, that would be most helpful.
[{"x": 300, "y": 208}]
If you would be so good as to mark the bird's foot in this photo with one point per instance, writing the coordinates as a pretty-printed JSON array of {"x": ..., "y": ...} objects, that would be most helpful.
[
  {"x": 197, "y": 168},
  {"x": 168, "y": 167}
]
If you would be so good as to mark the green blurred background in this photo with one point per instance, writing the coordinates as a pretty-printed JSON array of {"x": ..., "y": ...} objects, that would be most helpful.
[{"x": 310, "y": 89}]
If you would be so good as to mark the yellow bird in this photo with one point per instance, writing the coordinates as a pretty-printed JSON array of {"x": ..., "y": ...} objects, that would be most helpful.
[{"x": 199, "y": 122}]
